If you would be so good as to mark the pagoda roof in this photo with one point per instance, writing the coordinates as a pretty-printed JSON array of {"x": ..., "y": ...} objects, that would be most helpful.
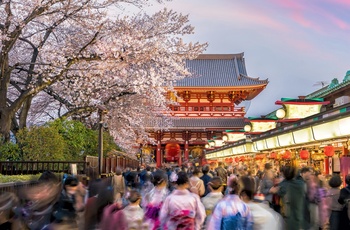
[
  {"x": 218, "y": 70},
  {"x": 201, "y": 123},
  {"x": 209, "y": 123}
]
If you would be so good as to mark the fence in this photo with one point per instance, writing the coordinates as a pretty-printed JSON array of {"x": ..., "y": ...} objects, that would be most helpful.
[{"x": 36, "y": 167}]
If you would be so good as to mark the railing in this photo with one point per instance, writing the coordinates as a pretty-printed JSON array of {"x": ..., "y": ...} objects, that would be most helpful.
[{"x": 35, "y": 167}]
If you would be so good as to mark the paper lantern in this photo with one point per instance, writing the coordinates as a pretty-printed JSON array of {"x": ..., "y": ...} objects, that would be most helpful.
[
  {"x": 237, "y": 159},
  {"x": 287, "y": 154},
  {"x": 172, "y": 151},
  {"x": 273, "y": 155},
  {"x": 304, "y": 154},
  {"x": 329, "y": 150},
  {"x": 229, "y": 160}
]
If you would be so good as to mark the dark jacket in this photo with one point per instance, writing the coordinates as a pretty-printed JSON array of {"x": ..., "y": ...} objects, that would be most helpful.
[
  {"x": 206, "y": 178},
  {"x": 293, "y": 196},
  {"x": 344, "y": 196}
]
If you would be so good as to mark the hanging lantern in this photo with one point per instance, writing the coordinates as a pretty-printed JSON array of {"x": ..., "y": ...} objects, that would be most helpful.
[
  {"x": 172, "y": 151},
  {"x": 287, "y": 154},
  {"x": 229, "y": 160},
  {"x": 273, "y": 155},
  {"x": 329, "y": 150},
  {"x": 304, "y": 154}
]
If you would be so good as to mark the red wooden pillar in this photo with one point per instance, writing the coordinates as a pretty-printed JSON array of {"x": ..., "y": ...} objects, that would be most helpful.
[
  {"x": 186, "y": 136},
  {"x": 159, "y": 158},
  {"x": 158, "y": 137}
]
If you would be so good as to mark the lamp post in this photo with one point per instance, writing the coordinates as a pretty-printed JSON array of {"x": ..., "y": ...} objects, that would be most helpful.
[{"x": 101, "y": 111}]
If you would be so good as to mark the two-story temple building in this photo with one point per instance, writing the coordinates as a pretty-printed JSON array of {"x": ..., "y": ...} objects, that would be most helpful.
[{"x": 209, "y": 105}]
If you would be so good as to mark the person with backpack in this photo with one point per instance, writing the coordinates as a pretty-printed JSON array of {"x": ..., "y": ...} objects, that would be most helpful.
[
  {"x": 334, "y": 207},
  {"x": 344, "y": 199},
  {"x": 182, "y": 209},
  {"x": 196, "y": 184}
]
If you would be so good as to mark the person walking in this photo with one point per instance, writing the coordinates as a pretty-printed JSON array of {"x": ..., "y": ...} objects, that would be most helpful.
[
  {"x": 344, "y": 200},
  {"x": 212, "y": 198},
  {"x": 231, "y": 213},
  {"x": 206, "y": 178},
  {"x": 182, "y": 209},
  {"x": 153, "y": 201}
]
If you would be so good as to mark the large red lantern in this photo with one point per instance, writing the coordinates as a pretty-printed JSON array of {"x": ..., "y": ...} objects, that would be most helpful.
[
  {"x": 237, "y": 159},
  {"x": 329, "y": 150},
  {"x": 304, "y": 154},
  {"x": 172, "y": 151}
]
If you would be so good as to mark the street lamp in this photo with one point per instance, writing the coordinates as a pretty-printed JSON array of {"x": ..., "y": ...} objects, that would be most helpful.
[{"x": 101, "y": 111}]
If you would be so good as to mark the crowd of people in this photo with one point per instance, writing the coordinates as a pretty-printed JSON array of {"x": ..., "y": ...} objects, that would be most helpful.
[{"x": 213, "y": 197}]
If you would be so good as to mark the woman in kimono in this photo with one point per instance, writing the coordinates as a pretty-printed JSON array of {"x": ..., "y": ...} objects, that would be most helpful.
[
  {"x": 231, "y": 212},
  {"x": 182, "y": 209},
  {"x": 153, "y": 200}
]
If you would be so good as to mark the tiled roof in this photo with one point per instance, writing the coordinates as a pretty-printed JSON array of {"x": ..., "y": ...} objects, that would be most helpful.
[
  {"x": 209, "y": 123},
  {"x": 215, "y": 70},
  {"x": 321, "y": 93},
  {"x": 180, "y": 123}
]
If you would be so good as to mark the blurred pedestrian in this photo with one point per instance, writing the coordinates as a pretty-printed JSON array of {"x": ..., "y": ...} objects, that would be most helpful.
[
  {"x": 182, "y": 209},
  {"x": 196, "y": 184},
  {"x": 133, "y": 213},
  {"x": 206, "y": 178},
  {"x": 265, "y": 218},
  {"x": 65, "y": 216},
  {"x": 292, "y": 192},
  {"x": 344, "y": 199},
  {"x": 153, "y": 201},
  {"x": 335, "y": 208},
  {"x": 231, "y": 213},
  {"x": 213, "y": 197}
]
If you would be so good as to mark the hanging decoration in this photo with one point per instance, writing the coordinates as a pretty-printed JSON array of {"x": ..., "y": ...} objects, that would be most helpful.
[
  {"x": 273, "y": 155},
  {"x": 287, "y": 155},
  {"x": 329, "y": 150},
  {"x": 304, "y": 154}
]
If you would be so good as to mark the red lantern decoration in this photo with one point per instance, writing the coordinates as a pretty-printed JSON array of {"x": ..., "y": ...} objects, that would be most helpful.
[
  {"x": 329, "y": 150},
  {"x": 273, "y": 155},
  {"x": 287, "y": 154},
  {"x": 304, "y": 154},
  {"x": 229, "y": 160},
  {"x": 172, "y": 151},
  {"x": 237, "y": 159}
]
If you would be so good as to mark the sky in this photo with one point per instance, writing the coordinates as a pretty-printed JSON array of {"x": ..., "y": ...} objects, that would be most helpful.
[{"x": 295, "y": 44}]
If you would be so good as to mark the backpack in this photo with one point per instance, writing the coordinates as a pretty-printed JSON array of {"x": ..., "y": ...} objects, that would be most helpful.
[{"x": 194, "y": 188}]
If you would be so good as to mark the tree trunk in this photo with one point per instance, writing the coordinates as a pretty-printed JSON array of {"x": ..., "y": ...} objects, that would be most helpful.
[
  {"x": 5, "y": 124},
  {"x": 24, "y": 112}
]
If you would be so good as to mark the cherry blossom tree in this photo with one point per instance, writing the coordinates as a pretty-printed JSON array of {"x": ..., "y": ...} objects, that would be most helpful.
[{"x": 73, "y": 54}]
